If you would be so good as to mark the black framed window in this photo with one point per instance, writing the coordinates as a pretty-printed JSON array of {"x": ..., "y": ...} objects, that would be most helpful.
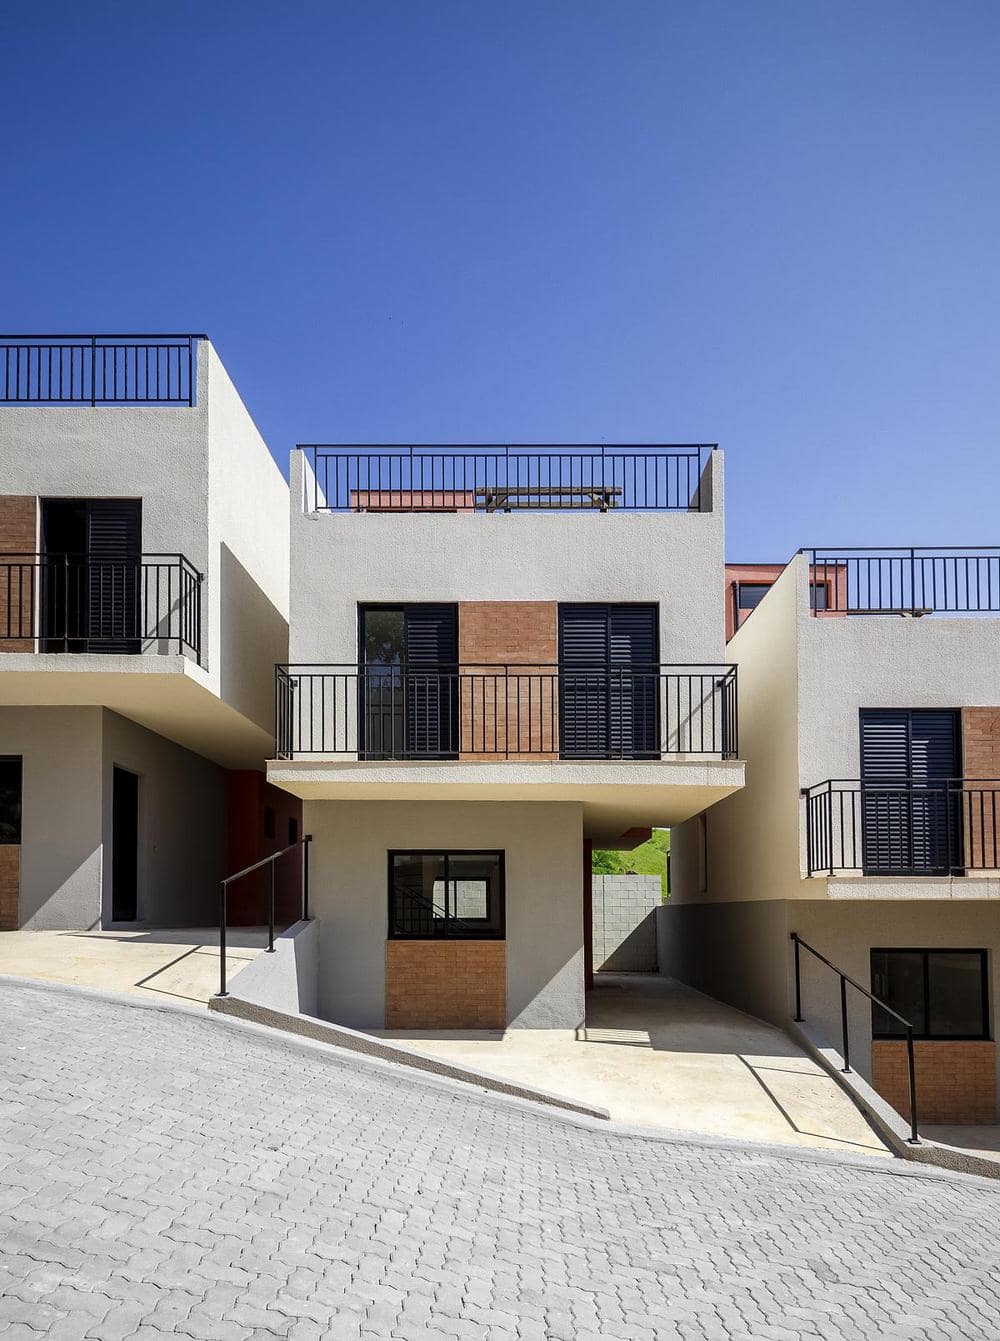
[
  {"x": 819, "y": 595},
  {"x": 750, "y": 594},
  {"x": 10, "y": 799},
  {"x": 943, "y": 993},
  {"x": 436, "y": 894}
]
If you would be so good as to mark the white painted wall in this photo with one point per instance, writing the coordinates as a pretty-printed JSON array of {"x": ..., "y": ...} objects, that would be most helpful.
[
  {"x": 342, "y": 560},
  {"x": 543, "y": 843}
]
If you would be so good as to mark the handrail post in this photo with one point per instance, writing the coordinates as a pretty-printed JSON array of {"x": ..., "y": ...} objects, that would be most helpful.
[
  {"x": 222, "y": 939},
  {"x": 914, "y": 1139},
  {"x": 307, "y": 839},
  {"x": 93, "y": 370},
  {"x": 270, "y": 908},
  {"x": 798, "y": 979},
  {"x": 843, "y": 1025}
]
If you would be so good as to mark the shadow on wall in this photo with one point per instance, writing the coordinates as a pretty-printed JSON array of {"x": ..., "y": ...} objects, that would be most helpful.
[
  {"x": 254, "y": 637},
  {"x": 60, "y": 887},
  {"x": 636, "y": 953}
]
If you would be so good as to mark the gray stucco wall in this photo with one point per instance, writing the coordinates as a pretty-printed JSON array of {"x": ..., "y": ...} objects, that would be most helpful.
[
  {"x": 624, "y": 919},
  {"x": 543, "y": 845}
]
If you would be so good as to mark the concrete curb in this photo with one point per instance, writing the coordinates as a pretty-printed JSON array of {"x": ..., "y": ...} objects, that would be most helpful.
[
  {"x": 886, "y": 1121},
  {"x": 279, "y": 1040}
]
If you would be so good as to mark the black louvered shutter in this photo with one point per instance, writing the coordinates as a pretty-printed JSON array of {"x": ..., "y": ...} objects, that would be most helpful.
[
  {"x": 430, "y": 635},
  {"x": 633, "y": 681},
  {"x": 114, "y": 546},
  {"x": 911, "y": 821},
  {"x": 609, "y": 681}
]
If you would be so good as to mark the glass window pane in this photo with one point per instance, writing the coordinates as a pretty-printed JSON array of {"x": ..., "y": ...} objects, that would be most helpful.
[
  {"x": 752, "y": 593},
  {"x": 956, "y": 994},
  {"x": 417, "y": 893},
  {"x": 383, "y": 643},
  {"x": 898, "y": 978},
  {"x": 818, "y": 594},
  {"x": 10, "y": 800},
  {"x": 475, "y": 890}
]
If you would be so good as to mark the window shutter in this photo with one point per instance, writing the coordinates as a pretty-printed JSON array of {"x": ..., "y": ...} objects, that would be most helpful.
[
  {"x": 430, "y": 635},
  {"x": 114, "y": 546},
  {"x": 609, "y": 680}
]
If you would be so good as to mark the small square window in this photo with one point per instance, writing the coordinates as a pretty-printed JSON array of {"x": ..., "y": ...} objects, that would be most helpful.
[
  {"x": 270, "y": 822},
  {"x": 750, "y": 594},
  {"x": 819, "y": 595},
  {"x": 293, "y": 830},
  {"x": 942, "y": 993},
  {"x": 10, "y": 799},
  {"x": 454, "y": 894}
]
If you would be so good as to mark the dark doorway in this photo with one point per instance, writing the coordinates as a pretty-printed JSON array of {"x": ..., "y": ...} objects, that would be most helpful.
[
  {"x": 124, "y": 846},
  {"x": 409, "y": 698},
  {"x": 609, "y": 681},
  {"x": 910, "y": 805},
  {"x": 91, "y": 574}
]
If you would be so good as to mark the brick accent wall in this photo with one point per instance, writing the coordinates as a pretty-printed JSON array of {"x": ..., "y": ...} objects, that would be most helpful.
[
  {"x": 445, "y": 985},
  {"x": 17, "y": 536},
  {"x": 956, "y": 1082},
  {"x": 10, "y": 886},
  {"x": 981, "y": 810},
  {"x": 523, "y": 721}
]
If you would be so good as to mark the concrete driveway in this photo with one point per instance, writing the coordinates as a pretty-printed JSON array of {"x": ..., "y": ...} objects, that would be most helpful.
[{"x": 658, "y": 1053}]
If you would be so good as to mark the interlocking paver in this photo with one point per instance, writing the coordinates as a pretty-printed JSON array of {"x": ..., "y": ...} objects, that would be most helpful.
[{"x": 165, "y": 1173}]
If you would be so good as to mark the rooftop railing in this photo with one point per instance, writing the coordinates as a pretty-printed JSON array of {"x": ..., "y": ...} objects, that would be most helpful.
[
  {"x": 489, "y": 712},
  {"x": 98, "y": 369},
  {"x": 915, "y": 827},
  {"x": 907, "y": 581},
  {"x": 402, "y": 478}
]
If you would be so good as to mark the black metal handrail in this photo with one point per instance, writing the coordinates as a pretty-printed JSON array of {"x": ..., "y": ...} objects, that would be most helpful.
[
  {"x": 505, "y": 477},
  {"x": 76, "y": 603},
  {"x": 908, "y": 581},
  {"x": 427, "y": 906},
  {"x": 442, "y": 711},
  {"x": 845, "y": 978},
  {"x": 914, "y": 826},
  {"x": 270, "y": 863},
  {"x": 98, "y": 369}
]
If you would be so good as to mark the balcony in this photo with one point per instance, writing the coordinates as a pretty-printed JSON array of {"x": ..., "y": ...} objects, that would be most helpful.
[
  {"x": 75, "y": 603},
  {"x": 506, "y": 478},
  {"x": 98, "y": 369},
  {"x": 940, "y": 827},
  {"x": 908, "y": 582},
  {"x": 486, "y": 713}
]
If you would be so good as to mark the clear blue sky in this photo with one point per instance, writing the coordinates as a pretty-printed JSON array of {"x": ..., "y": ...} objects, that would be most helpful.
[{"x": 772, "y": 225}]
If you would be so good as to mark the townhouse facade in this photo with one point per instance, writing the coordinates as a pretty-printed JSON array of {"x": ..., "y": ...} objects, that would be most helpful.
[
  {"x": 143, "y": 600},
  {"x": 498, "y": 657},
  {"x": 868, "y": 826}
]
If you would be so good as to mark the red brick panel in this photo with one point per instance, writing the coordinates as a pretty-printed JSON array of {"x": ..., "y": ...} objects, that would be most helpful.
[
  {"x": 445, "y": 985},
  {"x": 515, "y": 715},
  {"x": 18, "y": 575},
  {"x": 981, "y": 805},
  {"x": 956, "y": 1081},
  {"x": 10, "y": 886}
]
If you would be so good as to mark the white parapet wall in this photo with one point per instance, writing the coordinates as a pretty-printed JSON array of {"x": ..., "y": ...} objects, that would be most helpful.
[{"x": 625, "y": 922}]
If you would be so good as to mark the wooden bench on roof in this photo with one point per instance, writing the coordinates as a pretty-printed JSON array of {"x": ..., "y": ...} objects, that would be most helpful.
[{"x": 507, "y": 497}]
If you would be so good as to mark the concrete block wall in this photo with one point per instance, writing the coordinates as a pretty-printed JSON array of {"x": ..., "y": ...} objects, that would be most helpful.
[{"x": 625, "y": 922}]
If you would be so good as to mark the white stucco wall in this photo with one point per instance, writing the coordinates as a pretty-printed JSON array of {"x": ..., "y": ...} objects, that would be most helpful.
[
  {"x": 342, "y": 560},
  {"x": 543, "y": 843}
]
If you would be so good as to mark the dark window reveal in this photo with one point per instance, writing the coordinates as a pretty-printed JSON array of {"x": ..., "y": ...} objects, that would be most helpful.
[
  {"x": 943, "y": 993},
  {"x": 453, "y": 894},
  {"x": 269, "y": 822},
  {"x": 10, "y": 799},
  {"x": 293, "y": 830},
  {"x": 750, "y": 594}
]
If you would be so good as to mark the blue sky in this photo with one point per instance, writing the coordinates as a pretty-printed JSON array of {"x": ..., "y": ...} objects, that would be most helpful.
[{"x": 774, "y": 225}]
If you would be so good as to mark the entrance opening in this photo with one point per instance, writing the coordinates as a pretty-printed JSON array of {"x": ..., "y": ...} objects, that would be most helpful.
[
  {"x": 90, "y": 576},
  {"x": 124, "y": 846}
]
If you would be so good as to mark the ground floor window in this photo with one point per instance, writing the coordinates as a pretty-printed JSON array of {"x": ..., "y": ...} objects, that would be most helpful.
[
  {"x": 943, "y": 993},
  {"x": 10, "y": 799},
  {"x": 455, "y": 894}
]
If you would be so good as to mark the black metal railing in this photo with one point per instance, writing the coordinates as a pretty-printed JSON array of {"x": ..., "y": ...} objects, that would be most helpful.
[
  {"x": 504, "y": 711},
  {"x": 98, "y": 369},
  {"x": 907, "y": 581},
  {"x": 268, "y": 863},
  {"x": 402, "y": 478},
  {"x": 935, "y": 826},
  {"x": 75, "y": 603},
  {"x": 846, "y": 980}
]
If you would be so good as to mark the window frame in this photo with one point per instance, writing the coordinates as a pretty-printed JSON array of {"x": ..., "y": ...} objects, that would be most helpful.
[
  {"x": 17, "y": 759},
  {"x": 499, "y": 853},
  {"x": 762, "y": 587},
  {"x": 926, "y": 951}
]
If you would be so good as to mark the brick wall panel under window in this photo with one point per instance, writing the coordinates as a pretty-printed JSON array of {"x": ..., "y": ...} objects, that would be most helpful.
[
  {"x": 981, "y": 809},
  {"x": 519, "y": 719},
  {"x": 18, "y": 576},
  {"x": 10, "y": 886},
  {"x": 956, "y": 1081},
  {"x": 445, "y": 985}
]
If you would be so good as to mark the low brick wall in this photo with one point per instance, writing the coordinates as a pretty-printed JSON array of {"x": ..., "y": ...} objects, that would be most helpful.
[
  {"x": 10, "y": 886},
  {"x": 625, "y": 922},
  {"x": 956, "y": 1081},
  {"x": 445, "y": 985},
  {"x": 18, "y": 578}
]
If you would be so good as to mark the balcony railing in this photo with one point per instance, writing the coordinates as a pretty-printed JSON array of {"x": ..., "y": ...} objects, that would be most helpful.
[
  {"x": 75, "y": 603},
  {"x": 907, "y": 581},
  {"x": 505, "y": 478},
  {"x": 98, "y": 369},
  {"x": 938, "y": 826},
  {"x": 484, "y": 712}
]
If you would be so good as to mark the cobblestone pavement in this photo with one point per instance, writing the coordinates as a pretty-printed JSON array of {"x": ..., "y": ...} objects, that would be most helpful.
[{"x": 170, "y": 1173}]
